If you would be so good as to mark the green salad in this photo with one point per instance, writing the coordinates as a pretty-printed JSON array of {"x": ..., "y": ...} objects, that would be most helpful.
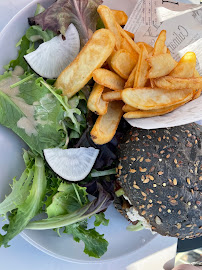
[{"x": 44, "y": 119}]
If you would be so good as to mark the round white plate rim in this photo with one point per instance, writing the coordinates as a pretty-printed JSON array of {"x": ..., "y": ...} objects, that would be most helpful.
[{"x": 22, "y": 234}]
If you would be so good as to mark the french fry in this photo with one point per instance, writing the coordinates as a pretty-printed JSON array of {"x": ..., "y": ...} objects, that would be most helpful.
[
  {"x": 131, "y": 35},
  {"x": 173, "y": 83},
  {"x": 147, "y": 46},
  {"x": 196, "y": 74},
  {"x": 122, "y": 62},
  {"x": 131, "y": 79},
  {"x": 126, "y": 46},
  {"x": 151, "y": 113},
  {"x": 106, "y": 125},
  {"x": 127, "y": 108},
  {"x": 159, "y": 47},
  {"x": 110, "y": 23},
  {"x": 161, "y": 65},
  {"x": 108, "y": 79},
  {"x": 197, "y": 94},
  {"x": 112, "y": 96},
  {"x": 155, "y": 98},
  {"x": 92, "y": 56},
  {"x": 186, "y": 66},
  {"x": 95, "y": 102},
  {"x": 142, "y": 68},
  {"x": 120, "y": 16},
  {"x": 130, "y": 41}
]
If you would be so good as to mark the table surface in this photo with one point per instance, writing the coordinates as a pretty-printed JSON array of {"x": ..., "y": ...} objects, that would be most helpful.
[{"x": 21, "y": 255}]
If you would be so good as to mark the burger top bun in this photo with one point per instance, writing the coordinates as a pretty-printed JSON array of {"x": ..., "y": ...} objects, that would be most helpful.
[{"x": 161, "y": 174}]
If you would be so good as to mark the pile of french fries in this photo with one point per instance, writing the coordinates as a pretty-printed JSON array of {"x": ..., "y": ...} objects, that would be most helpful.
[{"x": 133, "y": 80}]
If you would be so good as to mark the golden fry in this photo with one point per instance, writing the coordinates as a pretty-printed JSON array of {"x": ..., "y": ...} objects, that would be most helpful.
[
  {"x": 172, "y": 83},
  {"x": 108, "y": 79},
  {"x": 110, "y": 23},
  {"x": 142, "y": 68},
  {"x": 161, "y": 65},
  {"x": 131, "y": 79},
  {"x": 126, "y": 46},
  {"x": 127, "y": 108},
  {"x": 131, "y": 35},
  {"x": 106, "y": 125},
  {"x": 147, "y": 46},
  {"x": 112, "y": 96},
  {"x": 151, "y": 113},
  {"x": 120, "y": 16},
  {"x": 186, "y": 66},
  {"x": 130, "y": 41},
  {"x": 155, "y": 98},
  {"x": 197, "y": 94},
  {"x": 159, "y": 47},
  {"x": 92, "y": 56},
  {"x": 95, "y": 102},
  {"x": 122, "y": 62}
]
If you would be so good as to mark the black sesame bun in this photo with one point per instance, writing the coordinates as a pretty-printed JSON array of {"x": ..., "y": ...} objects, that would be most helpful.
[{"x": 160, "y": 171}]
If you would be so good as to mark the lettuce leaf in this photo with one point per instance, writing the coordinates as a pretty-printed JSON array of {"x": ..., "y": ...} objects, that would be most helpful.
[
  {"x": 31, "y": 111},
  {"x": 70, "y": 210},
  {"x": 25, "y": 211},
  {"x": 82, "y": 13},
  {"x": 28, "y": 43}
]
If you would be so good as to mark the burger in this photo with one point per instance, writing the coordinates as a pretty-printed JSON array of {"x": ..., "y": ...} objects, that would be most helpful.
[{"x": 159, "y": 180}]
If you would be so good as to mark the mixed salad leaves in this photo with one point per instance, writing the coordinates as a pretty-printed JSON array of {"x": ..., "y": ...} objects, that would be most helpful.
[{"x": 36, "y": 111}]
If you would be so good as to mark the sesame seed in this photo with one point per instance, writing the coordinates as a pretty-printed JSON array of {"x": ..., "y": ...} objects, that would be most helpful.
[
  {"x": 169, "y": 211},
  {"x": 188, "y": 181},
  {"x": 132, "y": 171},
  {"x": 175, "y": 161},
  {"x": 160, "y": 210},
  {"x": 174, "y": 138},
  {"x": 136, "y": 186},
  {"x": 160, "y": 159},
  {"x": 159, "y": 202},
  {"x": 160, "y": 173},
  {"x": 150, "y": 201},
  {"x": 196, "y": 141},
  {"x": 189, "y": 203},
  {"x": 164, "y": 184},
  {"x": 134, "y": 183},
  {"x": 159, "y": 139},
  {"x": 152, "y": 169},
  {"x": 189, "y": 226},
  {"x": 168, "y": 156},
  {"x": 179, "y": 212},
  {"x": 143, "y": 194},
  {"x": 151, "y": 177},
  {"x": 179, "y": 225},
  {"x": 133, "y": 159},
  {"x": 142, "y": 169},
  {"x": 151, "y": 191},
  {"x": 200, "y": 178},
  {"x": 137, "y": 139},
  {"x": 154, "y": 185},
  {"x": 120, "y": 167},
  {"x": 158, "y": 220},
  {"x": 146, "y": 181},
  {"x": 148, "y": 160},
  {"x": 175, "y": 182},
  {"x": 141, "y": 159},
  {"x": 143, "y": 212}
]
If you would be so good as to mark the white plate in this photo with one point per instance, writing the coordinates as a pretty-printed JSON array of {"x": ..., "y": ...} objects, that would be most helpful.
[{"x": 121, "y": 242}]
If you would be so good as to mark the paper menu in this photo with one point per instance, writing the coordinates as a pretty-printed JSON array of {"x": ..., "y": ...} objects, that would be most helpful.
[{"x": 183, "y": 23}]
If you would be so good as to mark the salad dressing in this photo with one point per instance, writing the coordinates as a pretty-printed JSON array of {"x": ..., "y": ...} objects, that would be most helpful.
[{"x": 27, "y": 122}]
